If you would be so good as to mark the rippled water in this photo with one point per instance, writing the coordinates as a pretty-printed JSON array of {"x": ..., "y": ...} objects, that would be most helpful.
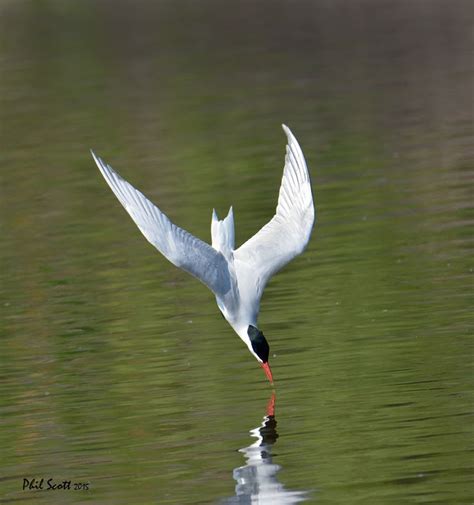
[{"x": 117, "y": 371}]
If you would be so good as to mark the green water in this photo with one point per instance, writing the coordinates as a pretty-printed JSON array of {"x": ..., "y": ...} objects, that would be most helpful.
[{"x": 116, "y": 368}]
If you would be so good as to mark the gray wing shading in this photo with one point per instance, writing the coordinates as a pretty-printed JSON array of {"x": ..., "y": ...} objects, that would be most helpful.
[
  {"x": 287, "y": 233},
  {"x": 177, "y": 245}
]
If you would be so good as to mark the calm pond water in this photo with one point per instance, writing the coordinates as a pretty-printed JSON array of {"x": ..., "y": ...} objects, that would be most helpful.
[{"x": 116, "y": 368}]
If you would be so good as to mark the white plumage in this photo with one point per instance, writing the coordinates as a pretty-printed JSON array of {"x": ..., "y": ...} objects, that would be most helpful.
[{"x": 237, "y": 277}]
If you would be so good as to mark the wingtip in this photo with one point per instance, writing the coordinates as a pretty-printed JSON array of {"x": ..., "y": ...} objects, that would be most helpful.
[
  {"x": 289, "y": 133},
  {"x": 103, "y": 167},
  {"x": 95, "y": 157}
]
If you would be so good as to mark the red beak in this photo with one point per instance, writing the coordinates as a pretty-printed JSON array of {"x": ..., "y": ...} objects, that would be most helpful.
[{"x": 268, "y": 372}]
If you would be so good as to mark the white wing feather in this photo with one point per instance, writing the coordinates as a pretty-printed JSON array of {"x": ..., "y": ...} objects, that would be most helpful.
[
  {"x": 287, "y": 233},
  {"x": 177, "y": 245}
]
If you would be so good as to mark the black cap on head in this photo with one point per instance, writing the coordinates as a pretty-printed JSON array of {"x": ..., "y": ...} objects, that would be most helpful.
[{"x": 259, "y": 343}]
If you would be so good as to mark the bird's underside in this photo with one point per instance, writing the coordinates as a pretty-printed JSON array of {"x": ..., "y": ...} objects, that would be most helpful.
[{"x": 237, "y": 277}]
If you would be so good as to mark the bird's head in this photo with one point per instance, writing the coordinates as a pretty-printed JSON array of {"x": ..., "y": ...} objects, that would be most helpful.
[{"x": 260, "y": 349}]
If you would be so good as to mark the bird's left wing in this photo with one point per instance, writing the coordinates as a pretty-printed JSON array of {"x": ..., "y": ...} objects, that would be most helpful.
[
  {"x": 177, "y": 245},
  {"x": 287, "y": 233}
]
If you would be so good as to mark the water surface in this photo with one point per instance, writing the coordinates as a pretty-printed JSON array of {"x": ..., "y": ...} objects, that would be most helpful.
[{"x": 117, "y": 370}]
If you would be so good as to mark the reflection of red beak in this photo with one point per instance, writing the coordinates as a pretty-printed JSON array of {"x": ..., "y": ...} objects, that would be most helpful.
[
  {"x": 268, "y": 372},
  {"x": 271, "y": 405}
]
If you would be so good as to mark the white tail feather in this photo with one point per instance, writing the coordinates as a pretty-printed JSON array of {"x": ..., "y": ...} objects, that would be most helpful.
[{"x": 222, "y": 232}]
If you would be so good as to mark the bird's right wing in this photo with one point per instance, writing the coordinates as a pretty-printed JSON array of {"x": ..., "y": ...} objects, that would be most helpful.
[
  {"x": 177, "y": 245},
  {"x": 287, "y": 233}
]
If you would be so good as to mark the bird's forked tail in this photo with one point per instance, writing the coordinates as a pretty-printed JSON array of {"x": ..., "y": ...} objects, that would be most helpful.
[{"x": 222, "y": 232}]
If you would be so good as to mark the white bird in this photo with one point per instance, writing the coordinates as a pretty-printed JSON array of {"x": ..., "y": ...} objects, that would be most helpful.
[{"x": 237, "y": 277}]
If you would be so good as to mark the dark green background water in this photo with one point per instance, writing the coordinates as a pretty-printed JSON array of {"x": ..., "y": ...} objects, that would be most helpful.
[{"x": 116, "y": 368}]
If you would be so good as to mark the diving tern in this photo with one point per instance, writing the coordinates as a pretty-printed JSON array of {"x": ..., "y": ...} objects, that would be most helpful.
[{"x": 237, "y": 277}]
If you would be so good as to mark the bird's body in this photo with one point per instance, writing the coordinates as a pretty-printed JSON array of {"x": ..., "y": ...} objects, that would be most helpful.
[{"x": 237, "y": 277}]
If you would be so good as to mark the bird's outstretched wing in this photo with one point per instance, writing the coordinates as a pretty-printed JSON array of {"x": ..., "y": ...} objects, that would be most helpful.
[
  {"x": 177, "y": 245},
  {"x": 287, "y": 233}
]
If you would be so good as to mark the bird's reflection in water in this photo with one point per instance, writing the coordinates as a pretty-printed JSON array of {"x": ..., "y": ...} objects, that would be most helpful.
[{"x": 257, "y": 481}]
